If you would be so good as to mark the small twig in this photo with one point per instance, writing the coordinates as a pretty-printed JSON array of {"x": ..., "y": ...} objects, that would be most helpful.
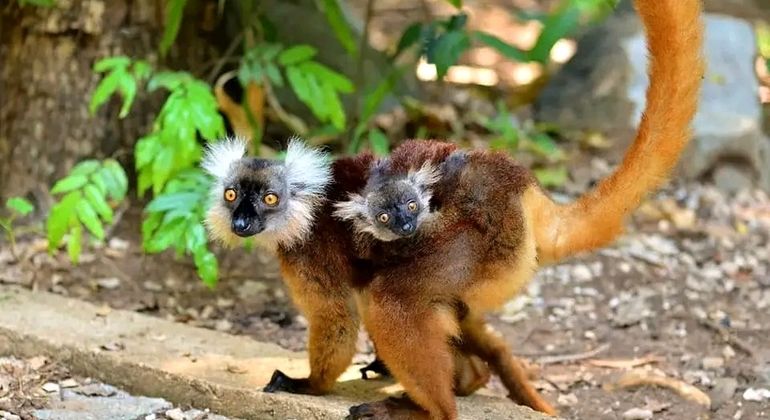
[
  {"x": 566, "y": 358},
  {"x": 728, "y": 337},
  {"x": 360, "y": 71},
  {"x": 293, "y": 122},
  {"x": 225, "y": 57}
]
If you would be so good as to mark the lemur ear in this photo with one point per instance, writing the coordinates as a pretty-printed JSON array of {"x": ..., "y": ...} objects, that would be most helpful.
[
  {"x": 352, "y": 209},
  {"x": 425, "y": 177},
  {"x": 308, "y": 169},
  {"x": 221, "y": 155}
]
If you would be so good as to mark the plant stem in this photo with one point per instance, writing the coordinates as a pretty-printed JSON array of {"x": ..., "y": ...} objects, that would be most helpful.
[{"x": 360, "y": 72}]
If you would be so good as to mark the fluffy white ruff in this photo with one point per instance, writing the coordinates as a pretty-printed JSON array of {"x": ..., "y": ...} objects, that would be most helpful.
[
  {"x": 221, "y": 155},
  {"x": 307, "y": 172}
]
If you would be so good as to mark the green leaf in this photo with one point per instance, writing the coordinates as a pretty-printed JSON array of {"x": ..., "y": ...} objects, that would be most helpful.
[
  {"x": 167, "y": 79},
  {"x": 86, "y": 167},
  {"x": 97, "y": 201},
  {"x": 373, "y": 100},
  {"x": 161, "y": 169},
  {"x": 447, "y": 50},
  {"x": 149, "y": 225},
  {"x": 59, "y": 218},
  {"x": 145, "y": 150},
  {"x": 456, "y": 22},
  {"x": 296, "y": 54},
  {"x": 69, "y": 183},
  {"x": 104, "y": 90},
  {"x": 207, "y": 266},
  {"x": 165, "y": 202},
  {"x": 195, "y": 237},
  {"x": 128, "y": 89},
  {"x": 379, "y": 142},
  {"x": 174, "y": 13},
  {"x": 544, "y": 145},
  {"x": 456, "y": 3},
  {"x": 273, "y": 74},
  {"x": 555, "y": 27},
  {"x": 298, "y": 83},
  {"x": 551, "y": 177},
  {"x": 410, "y": 36},
  {"x": 119, "y": 175},
  {"x": 19, "y": 205},
  {"x": 340, "y": 26},
  {"x": 75, "y": 242},
  {"x": 507, "y": 50},
  {"x": 333, "y": 106},
  {"x": 141, "y": 69},
  {"x": 87, "y": 215},
  {"x": 328, "y": 76},
  {"x": 111, "y": 63},
  {"x": 166, "y": 235}
]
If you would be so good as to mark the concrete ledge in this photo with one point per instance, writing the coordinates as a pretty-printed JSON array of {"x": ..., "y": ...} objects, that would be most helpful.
[{"x": 187, "y": 365}]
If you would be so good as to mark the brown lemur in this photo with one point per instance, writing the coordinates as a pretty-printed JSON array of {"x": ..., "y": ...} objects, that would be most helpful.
[
  {"x": 287, "y": 207},
  {"x": 493, "y": 226}
]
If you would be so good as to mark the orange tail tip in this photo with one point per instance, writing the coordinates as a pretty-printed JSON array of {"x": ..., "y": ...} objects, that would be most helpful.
[{"x": 674, "y": 33}]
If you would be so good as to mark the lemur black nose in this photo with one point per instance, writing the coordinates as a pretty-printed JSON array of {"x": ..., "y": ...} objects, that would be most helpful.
[
  {"x": 407, "y": 228},
  {"x": 241, "y": 226}
]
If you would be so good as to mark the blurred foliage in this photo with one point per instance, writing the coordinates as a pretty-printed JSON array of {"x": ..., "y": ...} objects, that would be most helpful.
[
  {"x": 17, "y": 207},
  {"x": 167, "y": 157},
  {"x": 763, "y": 42}
]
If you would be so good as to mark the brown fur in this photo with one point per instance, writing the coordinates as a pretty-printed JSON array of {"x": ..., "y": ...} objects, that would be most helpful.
[{"x": 496, "y": 225}]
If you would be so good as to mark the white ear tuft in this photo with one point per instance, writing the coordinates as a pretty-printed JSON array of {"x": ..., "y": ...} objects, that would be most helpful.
[
  {"x": 221, "y": 155},
  {"x": 352, "y": 209},
  {"x": 308, "y": 170},
  {"x": 425, "y": 177}
]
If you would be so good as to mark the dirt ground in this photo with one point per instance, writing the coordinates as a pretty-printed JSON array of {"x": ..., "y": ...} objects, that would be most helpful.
[{"x": 685, "y": 295}]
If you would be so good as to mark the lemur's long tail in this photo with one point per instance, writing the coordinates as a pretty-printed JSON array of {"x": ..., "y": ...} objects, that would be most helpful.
[{"x": 675, "y": 35}]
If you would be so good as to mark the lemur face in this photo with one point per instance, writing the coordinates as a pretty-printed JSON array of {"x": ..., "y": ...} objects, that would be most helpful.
[
  {"x": 390, "y": 207},
  {"x": 272, "y": 200}
]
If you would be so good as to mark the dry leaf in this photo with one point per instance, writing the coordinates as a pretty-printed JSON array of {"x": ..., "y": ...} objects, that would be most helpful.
[
  {"x": 639, "y": 377},
  {"x": 103, "y": 311}
]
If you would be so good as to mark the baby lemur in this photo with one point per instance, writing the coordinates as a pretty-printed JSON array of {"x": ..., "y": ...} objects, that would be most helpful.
[
  {"x": 492, "y": 226},
  {"x": 287, "y": 206}
]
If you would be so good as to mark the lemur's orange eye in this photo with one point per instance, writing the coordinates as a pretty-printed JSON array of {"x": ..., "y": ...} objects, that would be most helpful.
[
  {"x": 230, "y": 195},
  {"x": 412, "y": 206},
  {"x": 383, "y": 218},
  {"x": 271, "y": 199}
]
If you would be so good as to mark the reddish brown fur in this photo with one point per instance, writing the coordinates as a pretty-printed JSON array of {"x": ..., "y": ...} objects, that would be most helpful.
[
  {"x": 495, "y": 223},
  {"x": 321, "y": 274}
]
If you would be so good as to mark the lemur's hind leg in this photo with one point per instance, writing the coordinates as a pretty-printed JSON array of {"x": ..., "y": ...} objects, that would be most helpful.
[{"x": 479, "y": 340}]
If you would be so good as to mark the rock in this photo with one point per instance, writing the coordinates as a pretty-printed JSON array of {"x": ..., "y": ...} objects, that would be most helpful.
[
  {"x": 723, "y": 391},
  {"x": 756, "y": 394},
  {"x": 68, "y": 383},
  {"x": 175, "y": 414},
  {"x": 251, "y": 289},
  {"x": 638, "y": 414},
  {"x": 50, "y": 387},
  {"x": 603, "y": 88},
  {"x": 108, "y": 283},
  {"x": 567, "y": 400},
  {"x": 152, "y": 286},
  {"x": 97, "y": 390},
  {"x": 120, "y": 406},
  {"x": 4, "y": 415},
  {"x": 711, "y": 363},
  {"x": 631, "y": 312}
]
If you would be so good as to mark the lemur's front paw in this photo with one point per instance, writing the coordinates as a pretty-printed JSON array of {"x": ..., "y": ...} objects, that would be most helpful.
[
  {"x": 281, "y": 382},
  {"x": 377, "y": 366}
]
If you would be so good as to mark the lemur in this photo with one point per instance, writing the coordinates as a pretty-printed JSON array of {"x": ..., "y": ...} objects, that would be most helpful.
[
  {"x": 287, "y": 207},
  {"x": 492, "y": 226}
]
